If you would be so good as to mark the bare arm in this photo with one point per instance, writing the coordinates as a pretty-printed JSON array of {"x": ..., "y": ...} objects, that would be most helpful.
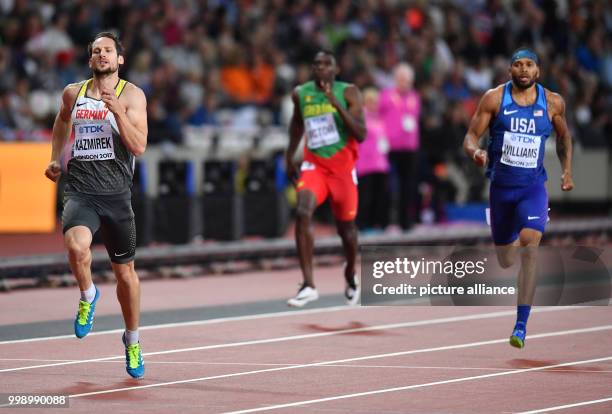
[
  {"x": 131, "y": 116},
  {"x": 296, "y": 130},
  {"x": 478, "y": 125},
  {"x": 353, "y": 115},
  {"x": 564, "y": 140},
  {"x": 61, "y": 131}
]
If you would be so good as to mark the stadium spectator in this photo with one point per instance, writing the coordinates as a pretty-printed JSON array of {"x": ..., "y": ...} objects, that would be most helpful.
[
  {"x": 400, "y": 111},
  {"x": 181, "y": 53},
  {"x": 373, "y": 169}
]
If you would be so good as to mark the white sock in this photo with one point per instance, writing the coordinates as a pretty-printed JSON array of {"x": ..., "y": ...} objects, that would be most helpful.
[
  {"x": 131, "y": 337},
  {"x": 89, "y": 294}
]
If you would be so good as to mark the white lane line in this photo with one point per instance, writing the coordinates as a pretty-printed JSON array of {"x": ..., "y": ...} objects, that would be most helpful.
[
  {"x": 242, "y": 318},
  {"x": 37, "y": 360},
  {"x": 192, "y": 323},
  {"x": 340, "y": 361},
  {"x": 455, "y": 368},
  {"x": 563, "y": 407},
  {"x": 293, "y": 337},
  {"x": 415, "y": 386},
  {"x": 264, "y": 364}
]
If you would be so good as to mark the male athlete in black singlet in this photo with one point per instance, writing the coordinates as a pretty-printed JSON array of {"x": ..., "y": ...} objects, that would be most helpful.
[{"x": 109, "y": 118}]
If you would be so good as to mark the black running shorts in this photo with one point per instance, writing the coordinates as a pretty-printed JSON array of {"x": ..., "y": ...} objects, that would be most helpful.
[{"x": 112, "y": 214}]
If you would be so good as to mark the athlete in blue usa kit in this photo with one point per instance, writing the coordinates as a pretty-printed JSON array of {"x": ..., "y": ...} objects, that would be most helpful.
[{"x": 520, "y": 115}]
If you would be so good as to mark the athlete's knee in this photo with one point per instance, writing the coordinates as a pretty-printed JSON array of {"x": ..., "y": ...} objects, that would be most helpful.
[
  {"x": 303, "y": 212},
  {"x": 77, "y": 241},
  {"x": 505, "y": 262},
  {"x": 306, "y": 204},
  {"x": 506, "y": 257},
  {"x": 529, "y": 237},
  {"x": 78, "y": 249},
  {"x": 126, "y": 274},
  {"x": 305, "y": 208},
  {"x": 347, "y": 230}
]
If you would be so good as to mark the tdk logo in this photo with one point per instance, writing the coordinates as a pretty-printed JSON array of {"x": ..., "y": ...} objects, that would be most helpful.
[
  {"x": 91, "y": 129},
  {"x": 523, "y": 139}
]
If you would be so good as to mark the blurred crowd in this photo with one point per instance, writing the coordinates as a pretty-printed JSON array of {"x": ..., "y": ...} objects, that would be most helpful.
[{"x": 213, "y": 62}]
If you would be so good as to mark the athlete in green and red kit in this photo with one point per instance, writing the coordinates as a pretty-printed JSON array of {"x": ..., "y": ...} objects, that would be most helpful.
[{"x": 330, "y": 114}]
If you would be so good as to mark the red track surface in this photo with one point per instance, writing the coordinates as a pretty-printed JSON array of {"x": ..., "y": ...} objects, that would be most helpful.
[{"x": 341, "y": 360}]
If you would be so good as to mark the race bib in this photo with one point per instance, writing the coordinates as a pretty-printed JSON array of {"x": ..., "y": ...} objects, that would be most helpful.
[
  {"x": 409, "y": 123},
  {"x": 382, "y": 145},
  {"x": 93, "y": 141},
  {"x": 520, "y": 150},
  {"x": 321, "y": 131},
  {"x": 307, "y": 166}
]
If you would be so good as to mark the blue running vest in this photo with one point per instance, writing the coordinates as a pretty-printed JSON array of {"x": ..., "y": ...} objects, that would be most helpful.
[{"x": 517, "y": 138}]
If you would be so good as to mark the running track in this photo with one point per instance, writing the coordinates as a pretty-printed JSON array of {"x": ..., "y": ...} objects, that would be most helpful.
[{"x": 228, "y": 345}]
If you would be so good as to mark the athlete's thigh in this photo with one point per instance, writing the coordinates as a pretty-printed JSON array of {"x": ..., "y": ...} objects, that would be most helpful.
[
  {"x": 532, "y": 208},
  {"x": 502, "y": 203},
  {"x": 313, "y": 179},
  {"x": 119, "y": 230},
  {"x": 344, "y": 195},
  {"x": 78, "y": 211}
]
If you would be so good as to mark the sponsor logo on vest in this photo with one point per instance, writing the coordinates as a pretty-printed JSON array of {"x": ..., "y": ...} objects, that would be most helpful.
[
  {"x": 523, "y": 139},
  {"x": 89, "y": 129}
]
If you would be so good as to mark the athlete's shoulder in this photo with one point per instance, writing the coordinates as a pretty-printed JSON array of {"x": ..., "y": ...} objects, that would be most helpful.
[
  {"x": 496, "y": 92},
  {"x": 303, "y": 89},
  {"x": 70, "y": 93},
  {"x": 351, "y": 92},
  {"x": 305, "y": 86},
  {"x": 134, "y": 95},
  {"x": 554, "y": 99},
  {"x": 73, "y": 88},
  {"x": 132, "y": 90},
  {"x": 491, "y": 99}
]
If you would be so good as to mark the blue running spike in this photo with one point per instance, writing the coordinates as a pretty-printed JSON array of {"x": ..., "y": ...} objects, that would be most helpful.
[{"x": 85, "y": 316}]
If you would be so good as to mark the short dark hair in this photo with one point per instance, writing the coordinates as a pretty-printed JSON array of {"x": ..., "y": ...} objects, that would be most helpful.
[
  {"x": 110, "y": 35},
  {"x": 327, "y": 52}
]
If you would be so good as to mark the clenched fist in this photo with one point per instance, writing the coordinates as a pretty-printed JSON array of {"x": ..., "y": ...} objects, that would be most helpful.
[
  {"x": 480, "y": 157},
  {"x": 53, "y": 171}
]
